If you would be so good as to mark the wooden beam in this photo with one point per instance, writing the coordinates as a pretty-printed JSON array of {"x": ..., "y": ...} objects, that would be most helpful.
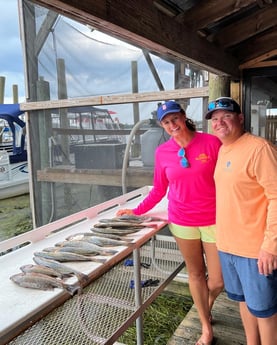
[
  {"x": 140, "y": 23},
  {"x": 256, "y": 47},
  {"x": 209, "y": 12},
  {"x": 272, "y": 63},
  {"x": 107, "y": 132},
  {"x": 247, "y": 27},
  {"x": 44, "y": 31},
  {"x": 135, "y": 177},
  {"x": 261, "y": 61},
  {"x": 117, "y": 99},
  {"x": 153, "y": 70}
]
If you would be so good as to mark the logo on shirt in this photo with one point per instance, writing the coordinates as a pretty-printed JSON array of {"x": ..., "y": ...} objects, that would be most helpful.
[
  {"x": 203, "y": 158},
  {"x": 228, "y": 166}
]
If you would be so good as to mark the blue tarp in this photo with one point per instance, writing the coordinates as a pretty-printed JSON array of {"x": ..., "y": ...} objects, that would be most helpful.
[{"x": 11, "y": 113}]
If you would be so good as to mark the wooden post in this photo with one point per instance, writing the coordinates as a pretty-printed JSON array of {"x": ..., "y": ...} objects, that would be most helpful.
[
  {"x": 218, "y": 86},
  {"x": 62, "y": 94},
  {"x": 28, "y": 37},
  {"x": 2, "y": 95},
  {"x": 182, "y": 81},
  {"x": 236, "y": 91},
  {"x": 136, "y": 145},
  {"x": 15, "y": 93},
  {"x": 65, "y": 144},
  {"x": 2, "y": 89},
  {"x": 44, "y": 132}
]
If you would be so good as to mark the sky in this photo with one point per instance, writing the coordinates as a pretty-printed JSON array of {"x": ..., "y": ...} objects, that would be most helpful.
[
  {"x": 11, "y": 61},
  {"x": 102, "y": 68}
]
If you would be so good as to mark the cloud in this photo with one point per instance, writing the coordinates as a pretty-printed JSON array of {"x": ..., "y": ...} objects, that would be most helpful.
[
  {"x": 94, "y": 67},
  {"x": 11, "y": 61},
  {"x": 95, "y": 64}
]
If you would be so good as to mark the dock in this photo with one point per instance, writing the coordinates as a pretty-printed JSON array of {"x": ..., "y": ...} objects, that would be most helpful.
[{"x": 227, "y": 325}]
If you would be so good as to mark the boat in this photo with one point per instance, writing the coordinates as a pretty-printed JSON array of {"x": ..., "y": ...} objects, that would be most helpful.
[{"x": 14, "y": 175}]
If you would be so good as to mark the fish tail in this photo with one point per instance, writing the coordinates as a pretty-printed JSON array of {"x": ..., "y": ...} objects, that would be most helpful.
[
  {"x": 82, "y": 278},
  {"x": 73, "y": 288},
  {"x": 101, "y": 260}
]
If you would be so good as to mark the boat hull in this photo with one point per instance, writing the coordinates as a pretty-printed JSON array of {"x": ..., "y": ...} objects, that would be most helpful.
[{"x": 16, "y": 183}]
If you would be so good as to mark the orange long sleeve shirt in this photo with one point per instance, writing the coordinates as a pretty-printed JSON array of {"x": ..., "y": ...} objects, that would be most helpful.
[{"x": 246, "y": 197}]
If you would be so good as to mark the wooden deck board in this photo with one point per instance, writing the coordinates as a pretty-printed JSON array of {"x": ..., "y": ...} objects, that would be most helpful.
[{"x": 228, "y": 329}]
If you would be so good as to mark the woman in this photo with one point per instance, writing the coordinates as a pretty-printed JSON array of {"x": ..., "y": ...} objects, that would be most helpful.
[{"x": 184, "y": 165}]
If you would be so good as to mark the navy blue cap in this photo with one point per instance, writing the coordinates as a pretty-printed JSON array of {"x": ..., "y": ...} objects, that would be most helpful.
[
  {"x": 168, "y": 107},
  {"x": 222, "y": 103}
]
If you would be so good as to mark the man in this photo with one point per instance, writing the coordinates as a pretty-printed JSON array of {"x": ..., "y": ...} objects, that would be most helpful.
[{"x": 246, "y": 220}]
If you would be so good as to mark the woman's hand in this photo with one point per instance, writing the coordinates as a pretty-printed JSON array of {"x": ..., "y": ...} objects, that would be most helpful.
[{"x": 125, "y": 211}]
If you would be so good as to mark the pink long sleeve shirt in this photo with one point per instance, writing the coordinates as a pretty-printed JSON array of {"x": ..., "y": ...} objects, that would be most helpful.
[{"x": 191, "y": 191}]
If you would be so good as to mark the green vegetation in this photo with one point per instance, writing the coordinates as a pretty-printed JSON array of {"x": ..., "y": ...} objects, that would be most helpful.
[
  {"x": 160, "y": 320},
  {"x": 15, "y": 216}
]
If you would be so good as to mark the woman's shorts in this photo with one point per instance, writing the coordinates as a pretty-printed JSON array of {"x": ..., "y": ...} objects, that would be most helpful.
[
  {"x": 203, "y": 233},
  {"x": 244, "y": 283}
]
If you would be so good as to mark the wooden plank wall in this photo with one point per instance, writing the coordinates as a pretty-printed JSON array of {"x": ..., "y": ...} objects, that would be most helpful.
[{"x": 271, "y": 128}]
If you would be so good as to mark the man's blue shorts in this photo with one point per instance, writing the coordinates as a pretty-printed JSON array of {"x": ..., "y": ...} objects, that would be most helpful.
[{"x": 243, "y": 282}]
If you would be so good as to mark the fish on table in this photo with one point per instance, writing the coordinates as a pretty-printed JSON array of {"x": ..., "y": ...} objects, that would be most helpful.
[
  {"x": 30, "y": 268},
  {"x": 112, "y": 236},
  {"x": 119, "y": 225},
  {"x": 111, "y": 230},
  {"x": 88, "y": 247},
  {"x": 68, "y": 256},
  {"x": 134, "y": 219},
  {"x": 42, "y": 282},
  {"x": 61, "y": 268},
  {"x": 130, "y": 220},
  {"x": 79, "y": 236},
  {"x": 106, "y": 242}
]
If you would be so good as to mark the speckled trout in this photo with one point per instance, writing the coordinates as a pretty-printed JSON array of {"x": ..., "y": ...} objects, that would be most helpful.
[
  {"x": 88, "y": 247},
  {"x": 43, "y": 270},
  {"x": 68, "y": 256},
  {"x": 106, "y": 242},
  {"x": 61, "y": 268},
  {"x": 42, "y": 282}
]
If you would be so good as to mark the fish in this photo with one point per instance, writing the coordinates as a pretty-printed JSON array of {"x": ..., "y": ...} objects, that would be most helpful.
[
  {"x": 86, "y": 246},
  {"x": 120, "y": 219},
  {"x": 110, "y": 230},
  {"x": 79, "y": 236},
  {"x": 61, "y": 268},
  {"x": 107, "y": 242},
  {"x": 43, "y": 270},
  {"x": 68, "y": 249},
  {"x": 129, "y": 218},
  {"x": 50, "y": 249},
  {"x": 112, "y": 236},
  {"x": 76, "y": 250},
  {"x": 42, "y": 282},
  {"x": 133, "y": 219},
  {"x": 67, "y": 256},
  {"x": 117, "y": 224}
]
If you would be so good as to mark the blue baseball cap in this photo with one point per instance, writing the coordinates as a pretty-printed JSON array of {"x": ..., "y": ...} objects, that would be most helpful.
[
  {"x": 222, "y": 103},
  {"x": 168, "y": 108}
]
